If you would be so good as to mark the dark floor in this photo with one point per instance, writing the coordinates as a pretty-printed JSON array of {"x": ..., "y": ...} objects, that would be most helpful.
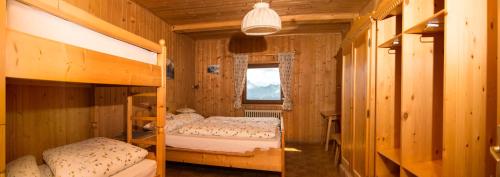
[{"x": 302, "y": 160}]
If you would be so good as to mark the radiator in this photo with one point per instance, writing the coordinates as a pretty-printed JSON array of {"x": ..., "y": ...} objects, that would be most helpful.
[{"x": 263, "y": 113}]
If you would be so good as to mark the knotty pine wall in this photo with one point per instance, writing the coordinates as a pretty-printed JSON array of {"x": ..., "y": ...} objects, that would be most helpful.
[
  {"x": 314, "y": 80},
  {"x": 41, "y": 115},
  {"x": 134, "y": 18}
]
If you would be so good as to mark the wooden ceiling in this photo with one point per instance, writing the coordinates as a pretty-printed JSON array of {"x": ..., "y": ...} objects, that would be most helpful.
[{"x": 179, "y": 12}]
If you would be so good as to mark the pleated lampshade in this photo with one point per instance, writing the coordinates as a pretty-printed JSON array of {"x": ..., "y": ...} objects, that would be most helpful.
[{"x": 261, "y": 20}]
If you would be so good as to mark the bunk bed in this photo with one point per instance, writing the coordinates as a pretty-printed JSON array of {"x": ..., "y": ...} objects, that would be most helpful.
[{"x": 46, "y": 56}]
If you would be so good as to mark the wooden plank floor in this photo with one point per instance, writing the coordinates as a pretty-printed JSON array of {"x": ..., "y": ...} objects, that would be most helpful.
[{"x": 301, "y": 160}]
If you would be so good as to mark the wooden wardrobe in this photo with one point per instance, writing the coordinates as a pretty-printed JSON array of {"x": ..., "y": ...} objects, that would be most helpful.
[{"x": 431, "y": 97}]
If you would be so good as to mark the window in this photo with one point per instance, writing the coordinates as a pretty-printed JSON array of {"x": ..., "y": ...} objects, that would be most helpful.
[{"x": 263, "y": 84}]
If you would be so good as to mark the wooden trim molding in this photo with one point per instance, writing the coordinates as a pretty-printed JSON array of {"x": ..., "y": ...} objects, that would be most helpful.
[
  {"x": 235, "y": 24},
  {"x": 74, "y": 14},
  {"x": 359, "y": 25},
  {"x": 385, "y": 8}
]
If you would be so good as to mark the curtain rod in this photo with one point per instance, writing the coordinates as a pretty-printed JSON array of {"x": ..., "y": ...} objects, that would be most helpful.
[{"x": 266, "y": 54}]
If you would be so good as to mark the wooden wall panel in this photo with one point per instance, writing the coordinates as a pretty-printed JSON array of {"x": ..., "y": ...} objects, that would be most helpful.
[
  {"x": 313, "y": 81},
  {"x": 470, "y": 81},
  {"x": 44, "y": 116}
]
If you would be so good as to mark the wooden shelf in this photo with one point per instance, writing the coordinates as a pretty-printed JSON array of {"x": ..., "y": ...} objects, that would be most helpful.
[
  {"x": 427, "y": 169},
  {"x": 433, "y": 24},
  {"x": 393, "y": 42},
  {"x": 392, "y": 154}
]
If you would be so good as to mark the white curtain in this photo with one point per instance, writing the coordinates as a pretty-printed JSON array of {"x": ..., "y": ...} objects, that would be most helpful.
[
  {"x": 240, "y": 72},
  {"x": 286, "y": 74}
]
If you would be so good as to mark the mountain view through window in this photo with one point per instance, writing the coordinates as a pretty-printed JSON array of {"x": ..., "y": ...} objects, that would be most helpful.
[{"x": 263, "y": 84}]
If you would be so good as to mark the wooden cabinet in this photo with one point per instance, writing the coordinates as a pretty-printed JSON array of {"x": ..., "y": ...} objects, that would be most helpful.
[
  {"x": 358, "y": 61},
  {"x": 437, "y": 88}
]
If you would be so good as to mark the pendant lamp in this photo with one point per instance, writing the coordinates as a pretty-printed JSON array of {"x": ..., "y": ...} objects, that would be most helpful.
[{"x": 261, "y": 20}]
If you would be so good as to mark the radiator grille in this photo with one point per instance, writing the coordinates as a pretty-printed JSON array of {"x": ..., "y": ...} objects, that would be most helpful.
[{"x": 263, "y": 113}]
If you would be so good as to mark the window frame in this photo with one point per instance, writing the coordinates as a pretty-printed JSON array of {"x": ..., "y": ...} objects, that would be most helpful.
[{"x": 266, "y": 65}]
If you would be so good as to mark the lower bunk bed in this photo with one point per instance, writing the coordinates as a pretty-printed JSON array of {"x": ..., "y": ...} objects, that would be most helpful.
[
  {"x": 90, "y": 158},
  {"x": 235, "y": 142}
]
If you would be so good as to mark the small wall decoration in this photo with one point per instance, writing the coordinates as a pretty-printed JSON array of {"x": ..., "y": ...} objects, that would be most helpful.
[
  {"x": 170, "y": 70},
  {"x": 213, "y": 69}
]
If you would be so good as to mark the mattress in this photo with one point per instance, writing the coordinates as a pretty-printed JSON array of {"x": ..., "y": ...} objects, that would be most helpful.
[
  {"x": 48, "y": 26},
  {"x": 145, "y": 168},
  {"x": 221, "y": 144}
]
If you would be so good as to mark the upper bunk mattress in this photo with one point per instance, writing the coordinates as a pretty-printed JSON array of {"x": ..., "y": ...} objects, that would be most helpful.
[{"x": 29, "y": 20}]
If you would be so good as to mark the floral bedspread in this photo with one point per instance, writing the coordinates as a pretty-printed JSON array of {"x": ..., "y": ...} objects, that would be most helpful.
[
  {"x": 96, "y": 157},
  {"x": 243, "y": 127}
]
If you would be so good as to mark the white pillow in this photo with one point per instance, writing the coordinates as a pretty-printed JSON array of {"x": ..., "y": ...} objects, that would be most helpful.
[
  {"x": 152, "y": 125},
  {"x": 23, "y": 166},
  {"x": 185, "y": 110},
  {"x": 92, "y": 157},
  {"x": 169, "y": 115},
  {"x": 177, "y": 121},
  {"x": 193, "y": 116}
]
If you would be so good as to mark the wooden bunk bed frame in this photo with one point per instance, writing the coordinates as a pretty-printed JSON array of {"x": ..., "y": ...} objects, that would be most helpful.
[{"x": 34, "y": 58}]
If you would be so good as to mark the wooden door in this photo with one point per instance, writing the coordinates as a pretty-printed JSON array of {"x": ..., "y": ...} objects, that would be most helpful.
[
  {"x": 360, "y": 102},
  {"x": 346, "y": 123}
]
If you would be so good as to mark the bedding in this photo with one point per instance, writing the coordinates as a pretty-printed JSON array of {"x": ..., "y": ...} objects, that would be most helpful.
[
  {"x": 242, "y": 127},
  {"x": 45, "y": 171},
  {"x": 22, "y": 167},
  {"x": 145, "y": 168},
  {"x": 177, "y": 121},
  {"x": 221, "y": 144},
  {"x": 93, "y": 157}
]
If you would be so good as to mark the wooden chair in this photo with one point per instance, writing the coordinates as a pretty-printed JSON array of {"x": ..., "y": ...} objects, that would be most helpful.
[{"x": 337, "y": 147}]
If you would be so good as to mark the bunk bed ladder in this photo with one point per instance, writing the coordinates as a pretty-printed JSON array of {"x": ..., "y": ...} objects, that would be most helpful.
[{"x": 141, "y": 139}]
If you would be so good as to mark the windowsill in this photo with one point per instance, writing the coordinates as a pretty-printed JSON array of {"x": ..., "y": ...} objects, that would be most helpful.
[{"x": 262, "y": 106}]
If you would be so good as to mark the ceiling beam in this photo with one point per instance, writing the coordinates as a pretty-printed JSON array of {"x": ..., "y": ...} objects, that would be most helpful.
[{"x": 286, "y": 20}]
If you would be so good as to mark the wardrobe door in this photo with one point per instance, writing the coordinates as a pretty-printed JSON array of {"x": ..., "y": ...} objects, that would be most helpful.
[
  {"x": 360, "y": 102},
  {"x": 347, "y": 107}
]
